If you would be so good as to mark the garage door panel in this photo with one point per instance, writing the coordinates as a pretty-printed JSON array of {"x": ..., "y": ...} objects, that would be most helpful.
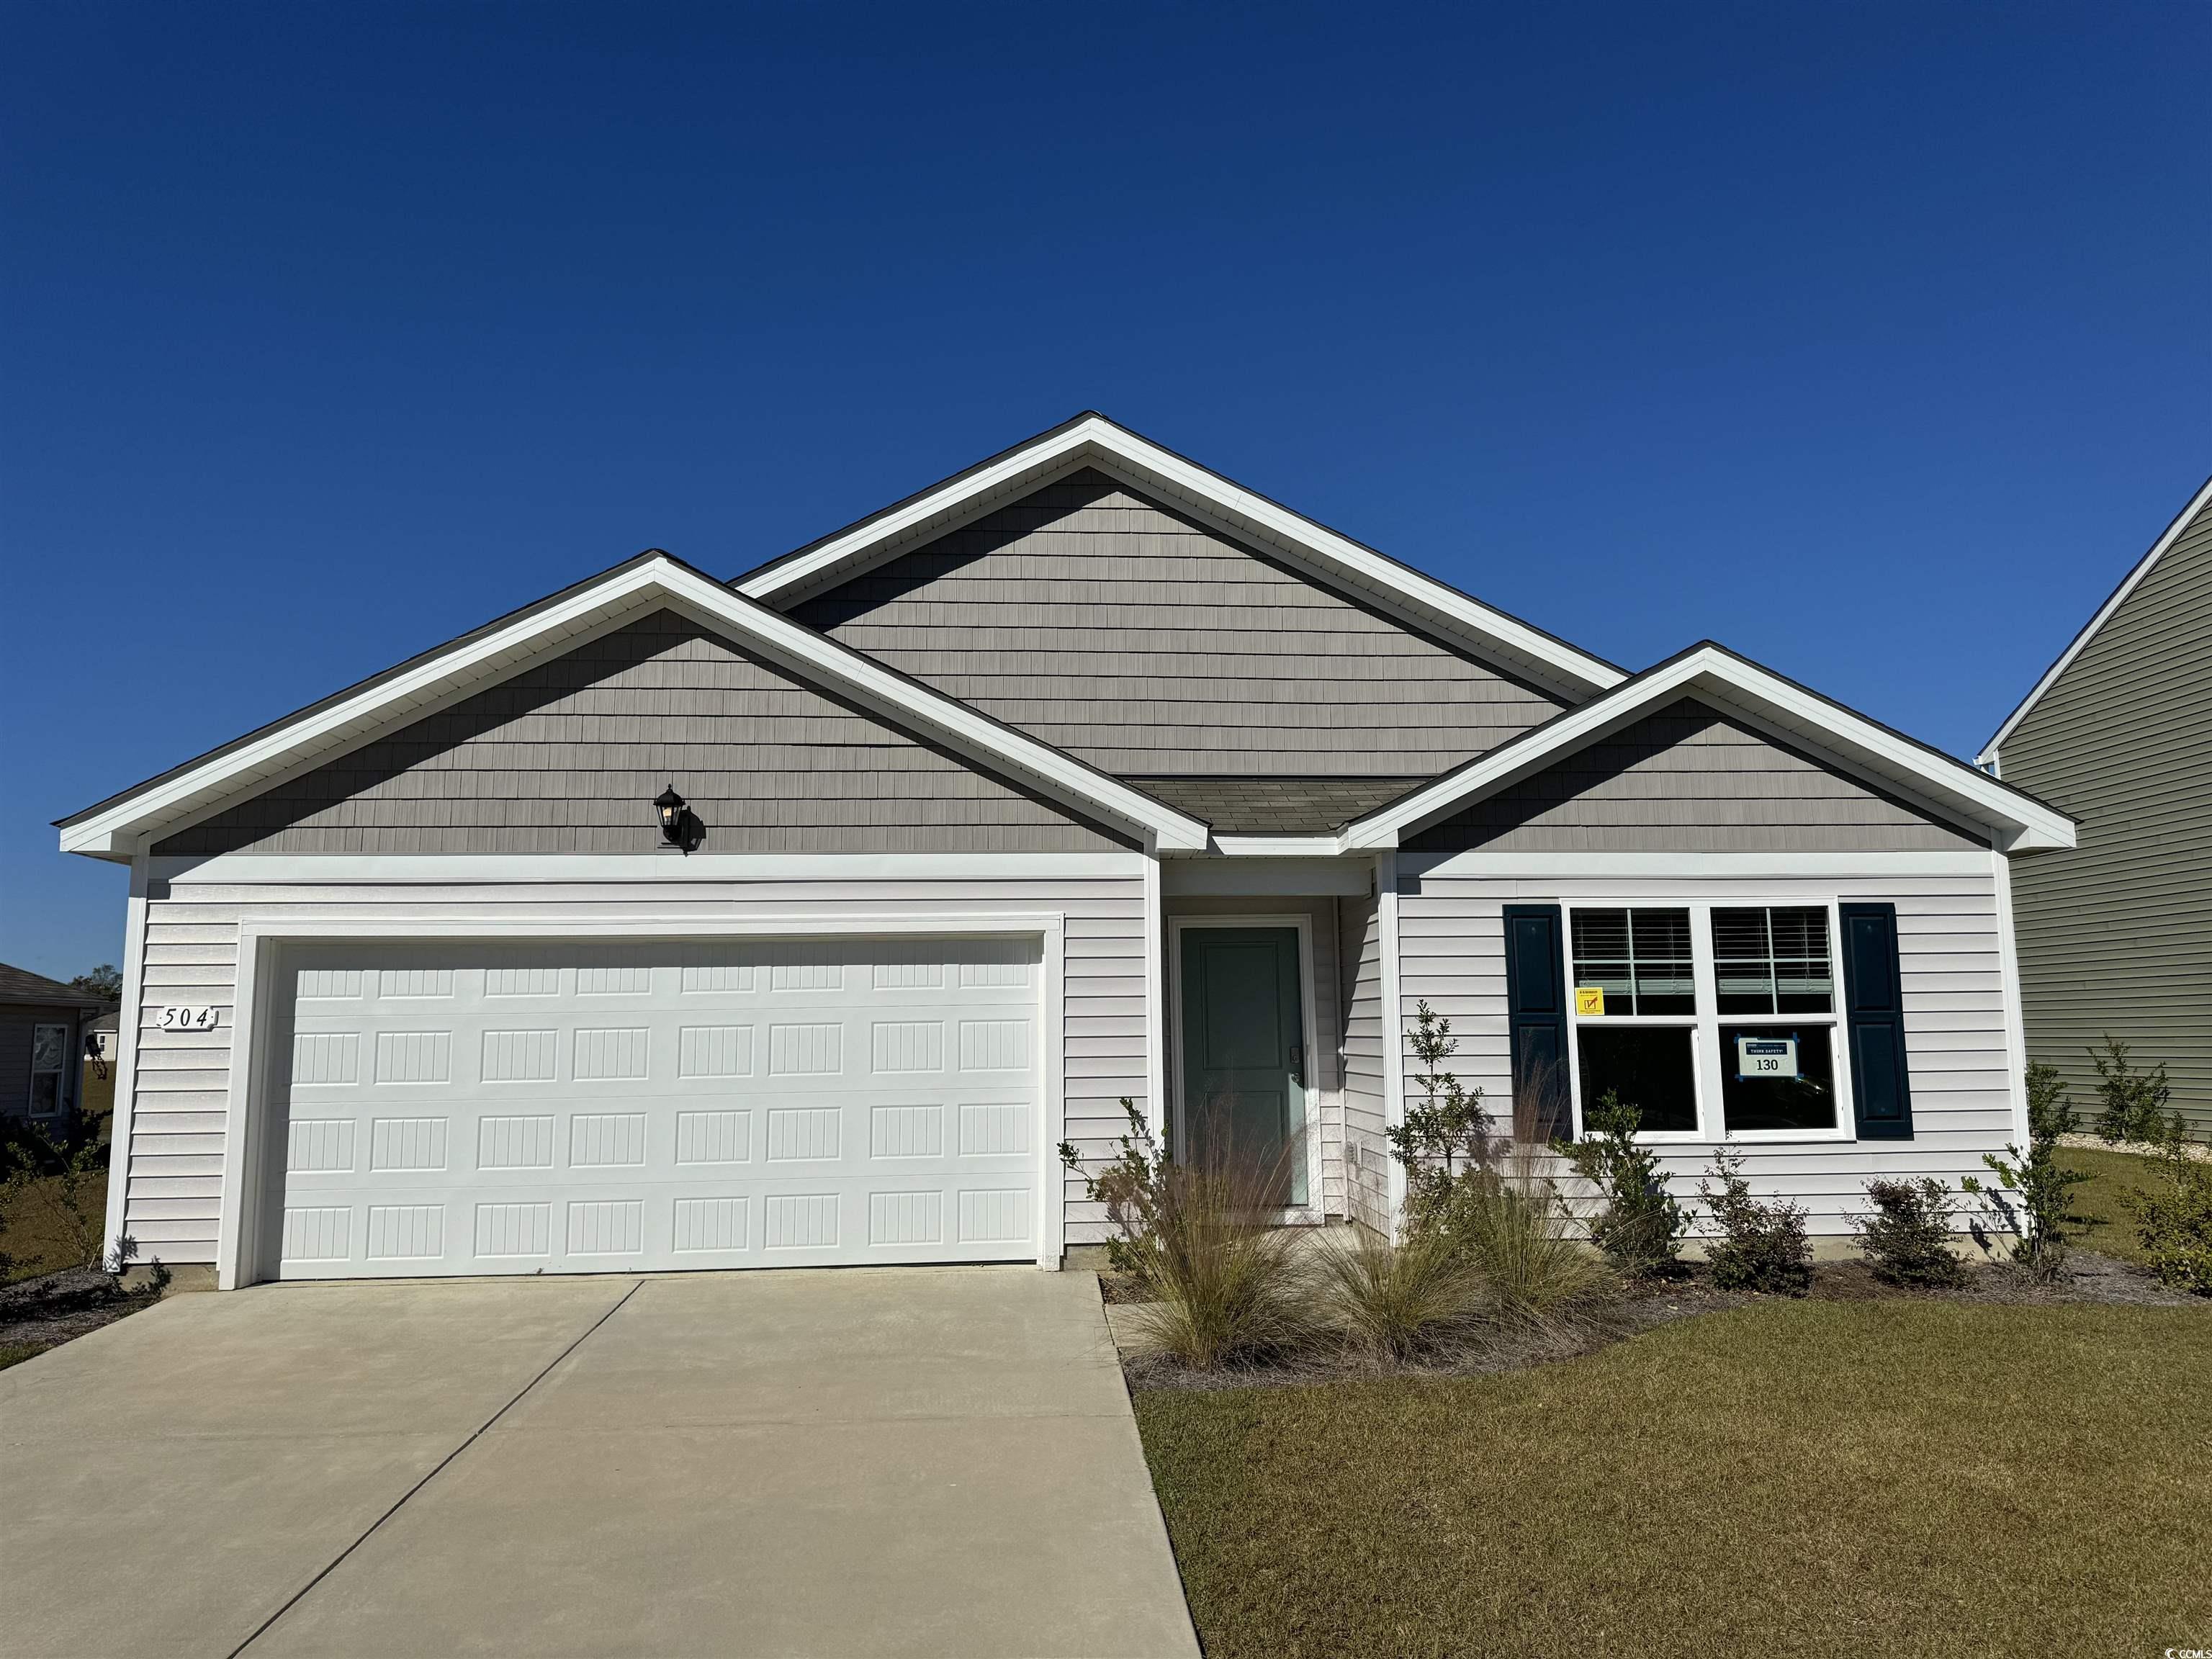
[{"x": 575, "y": 1107}]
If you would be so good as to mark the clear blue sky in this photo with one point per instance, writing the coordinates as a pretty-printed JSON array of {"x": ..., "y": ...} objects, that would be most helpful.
[{"x": 1873, "y": 340}]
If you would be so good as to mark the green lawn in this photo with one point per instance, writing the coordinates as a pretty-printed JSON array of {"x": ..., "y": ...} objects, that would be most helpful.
[
  {"x": 1853, "y": 1479},
  {"x": 2100, "y": 1221}
]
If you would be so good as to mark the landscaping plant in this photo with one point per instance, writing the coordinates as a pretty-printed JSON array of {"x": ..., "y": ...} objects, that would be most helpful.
[
  {"x": 2135, "y": 1101},
  {"x": 1396, "y": 1301},
  {"x": 1226, "y": 1285},
  {"x": 2030, "y": 1195},
  {"x": 1492, "y": 1199},
  {"x": 1640, "y": 1229},
  {"x": 1907, "y": 1236},
  {"x": 1761, "y": 1247},
  {"x": 2175, "y": 1224},
  {"x": 1446, "y": 1133}
]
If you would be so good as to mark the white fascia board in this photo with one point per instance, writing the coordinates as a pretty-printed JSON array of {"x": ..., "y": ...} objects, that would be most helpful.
[
  {"x": 2080, "y": 641},
  {"x": 668, "y": 869},
  {"x": 1888, "y": 760},
  {"x": 1135, "y": 460},
  {"x": 1277, "y": 847},
  {"x": 125, "y": 826}
]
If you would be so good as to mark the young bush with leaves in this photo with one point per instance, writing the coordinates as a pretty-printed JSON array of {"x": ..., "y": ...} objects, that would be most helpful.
[
  {"x": 1446, "y": 1133},
  {"x": 2132, "y": 1102},
  {"x": 2030, "y": 1196},
  {"x": 1906, "y": 1237},
  {"x": 1640, "y": 1229},
  {"x": 1228, "y": 1286},
  {"x": 2174, "y": 1225},
  {"x": 1493, "y": 1199},
  {"x": 1761, "y": 1247}
]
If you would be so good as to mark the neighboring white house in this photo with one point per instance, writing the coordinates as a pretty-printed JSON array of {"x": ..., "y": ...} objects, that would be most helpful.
[{"x": 669, "y": 922}]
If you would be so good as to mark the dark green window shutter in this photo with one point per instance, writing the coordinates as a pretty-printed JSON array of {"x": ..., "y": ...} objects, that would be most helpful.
[
  {"x": 1874, "y": 1022},
  {"x": 1536, "y": 1007}
]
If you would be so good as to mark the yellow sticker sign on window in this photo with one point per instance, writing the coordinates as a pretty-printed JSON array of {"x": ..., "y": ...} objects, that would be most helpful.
[{"x": 1589, "y": 999}]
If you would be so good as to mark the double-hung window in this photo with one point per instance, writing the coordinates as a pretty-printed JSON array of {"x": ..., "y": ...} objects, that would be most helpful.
[
  {"x": 1709, "y": 1020},
  {"x": 49, "y": 1055}
]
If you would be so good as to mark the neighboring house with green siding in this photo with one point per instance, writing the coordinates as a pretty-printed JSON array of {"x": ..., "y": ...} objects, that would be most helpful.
[{"x": 2115, "y": 936}]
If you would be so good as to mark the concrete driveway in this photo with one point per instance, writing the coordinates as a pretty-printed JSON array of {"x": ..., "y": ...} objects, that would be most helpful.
[{"x": 838, "y": 1462}]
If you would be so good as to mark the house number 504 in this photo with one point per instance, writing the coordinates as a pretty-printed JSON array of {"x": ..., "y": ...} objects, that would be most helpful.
[{"x": 188, "y": 1020}]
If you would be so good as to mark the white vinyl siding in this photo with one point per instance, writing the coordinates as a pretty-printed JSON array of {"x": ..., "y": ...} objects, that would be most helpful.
[
  {"x": 1453, "y": 952},
  {"x": 182, "y": 1091}
]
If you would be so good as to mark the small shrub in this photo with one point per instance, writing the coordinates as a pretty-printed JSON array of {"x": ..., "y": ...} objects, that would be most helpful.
[
  {"x": 1228, "y": 1285},
  {"x": 1907, "y": 1236},
  {"x": 1640, "y": 1229},
  {"x": 1492, "y": 1199},
  {"x": 1446, "y": 1132},
  {"x": 1397, "y": 1301},
  {"x": 2030, "y": 1196},
  {"x": 2175, "y": 1225},
  {"x": 2133, "y": 1103},
  {"x": 1762, "y": 1247}
]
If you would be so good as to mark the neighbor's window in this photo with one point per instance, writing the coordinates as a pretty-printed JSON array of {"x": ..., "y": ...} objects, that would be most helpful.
[
  {"x": 49, "y": 1053},
  {"x": 1635, "y": 1002},
  {"x": 1709, "y": 1020}
]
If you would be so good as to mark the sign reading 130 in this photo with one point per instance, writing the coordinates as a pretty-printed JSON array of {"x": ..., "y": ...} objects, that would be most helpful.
[{"x": 188, "y": 1020}]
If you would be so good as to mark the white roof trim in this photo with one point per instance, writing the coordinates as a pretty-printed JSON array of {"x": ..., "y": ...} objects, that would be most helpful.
[
  {"x": 1785, "y": 709},
  {"x": 1093, "y": 440},
  {"x": 130, "y": 822},
  {"x": 2128, "y": 584}
]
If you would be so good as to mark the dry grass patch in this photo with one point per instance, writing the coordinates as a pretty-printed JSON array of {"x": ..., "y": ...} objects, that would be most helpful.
[{"x": 1848, "y": 1479}]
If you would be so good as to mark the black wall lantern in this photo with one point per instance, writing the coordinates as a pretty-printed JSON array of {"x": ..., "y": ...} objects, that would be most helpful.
[{"x": 669, "y": 805}]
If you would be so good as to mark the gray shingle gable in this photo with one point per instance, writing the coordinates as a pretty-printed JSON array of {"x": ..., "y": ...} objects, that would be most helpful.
[{"x": 1110, "y": 626}]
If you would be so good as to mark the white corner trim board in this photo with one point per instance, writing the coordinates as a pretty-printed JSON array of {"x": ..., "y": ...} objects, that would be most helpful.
[
  {"x": 126, "y": 825},
  {"x": 1762, "y": 697},
  {"x": 2080, "y": 642},
  {"x": 1093, "y": 440}
]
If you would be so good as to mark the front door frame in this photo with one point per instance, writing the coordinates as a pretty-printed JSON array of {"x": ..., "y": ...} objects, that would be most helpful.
[{"x": 1178, "y": 1139}]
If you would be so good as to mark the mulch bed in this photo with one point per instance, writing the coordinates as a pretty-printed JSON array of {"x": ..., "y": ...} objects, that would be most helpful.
[
  {"x": 2087, "y": 1277},
  {"x": 56, "y": 1308}
]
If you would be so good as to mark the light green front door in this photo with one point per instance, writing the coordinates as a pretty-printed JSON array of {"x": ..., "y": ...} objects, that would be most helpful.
[{"x": 1244, "y": 1055}]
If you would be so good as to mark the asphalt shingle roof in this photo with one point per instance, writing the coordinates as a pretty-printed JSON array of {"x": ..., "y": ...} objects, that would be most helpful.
[
  {"x": 22, "y": 985},
  {"x": 1276, "y": 806}
]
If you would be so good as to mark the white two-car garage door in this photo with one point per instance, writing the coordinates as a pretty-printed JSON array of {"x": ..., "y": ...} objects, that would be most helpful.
[{"x": 506, "y": 1108}]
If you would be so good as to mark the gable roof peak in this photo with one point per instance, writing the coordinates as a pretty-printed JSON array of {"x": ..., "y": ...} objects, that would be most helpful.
[
  {"x": 2199, "y": 504},
  {"x": 1090, "y": 439}
]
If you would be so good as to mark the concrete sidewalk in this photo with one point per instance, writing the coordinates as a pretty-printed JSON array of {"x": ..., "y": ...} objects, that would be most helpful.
[{"x": 858, "y": 1462}]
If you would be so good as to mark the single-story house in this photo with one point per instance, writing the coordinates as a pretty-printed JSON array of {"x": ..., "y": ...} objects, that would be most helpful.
[
  {"x": 2115, "y": 935},
  {"x": 100, "y": 1035},
  {"x": 42, "y": 1023},
  {"x": 669, "y": 922}
]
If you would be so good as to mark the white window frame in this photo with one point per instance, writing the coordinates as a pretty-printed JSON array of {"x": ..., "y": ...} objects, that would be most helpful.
[
  {"x": 60, "y": 1072},
  {"x": 1706, "y": 1060}
]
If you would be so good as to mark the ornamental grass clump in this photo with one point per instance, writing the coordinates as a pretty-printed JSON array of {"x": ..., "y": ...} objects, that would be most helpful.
[
  {"x": 1760, "y": 1247},
  {"x": 1224, "y": 1284},
  {"x": 1398, "y": 1302},
  {"x": 1493, "y": 1199}
]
